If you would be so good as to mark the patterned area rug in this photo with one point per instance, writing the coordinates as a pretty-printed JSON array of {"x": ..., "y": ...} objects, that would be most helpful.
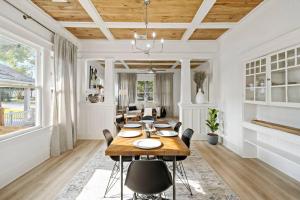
[{"x": 90, "y": 182}]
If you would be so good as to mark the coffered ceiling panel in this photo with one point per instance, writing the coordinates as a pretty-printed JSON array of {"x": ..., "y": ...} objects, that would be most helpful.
[
  {"x": 207, "y": 34},
  {"x": 145, "y": 64},
  {"x": 86, "y": 33},
  {"x": 167, "y": 34},
  {"x": 230, "y": 10},
  {"x": 60, "y": 11},
  {"x": 159, "y": 10}
]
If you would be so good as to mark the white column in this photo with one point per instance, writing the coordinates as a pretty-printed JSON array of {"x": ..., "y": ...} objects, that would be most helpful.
[
  {"x": 185, "y": 85},
  {"x": 109, "y": 81}
]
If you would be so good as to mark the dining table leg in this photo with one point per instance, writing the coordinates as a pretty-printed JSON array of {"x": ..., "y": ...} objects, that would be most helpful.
[
  {"x": 121, "y": 178},
  {"x": 174, "y": 177}
]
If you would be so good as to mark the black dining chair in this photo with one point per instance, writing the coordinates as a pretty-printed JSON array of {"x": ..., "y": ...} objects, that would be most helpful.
[
  {"x": 177, "y": 126},
  {"x": 186, "y": 138},
  {"x": 148, "y": 118},
  {"x": 148, "y": 177},
  {"x": 116, "y": 168},
  {"x": 118, "y": 127}
]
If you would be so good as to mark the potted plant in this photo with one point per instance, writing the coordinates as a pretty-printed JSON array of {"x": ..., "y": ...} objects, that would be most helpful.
[{"x": 213, "y": 125}]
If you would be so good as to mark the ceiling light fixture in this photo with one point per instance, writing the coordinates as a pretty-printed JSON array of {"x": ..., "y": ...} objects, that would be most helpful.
[{"x": 141, "y": 43}]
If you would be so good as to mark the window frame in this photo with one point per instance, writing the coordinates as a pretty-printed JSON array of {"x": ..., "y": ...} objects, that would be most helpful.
[
  {"x": 144, "y": 92},
  {"x": 37, "y": 85}
]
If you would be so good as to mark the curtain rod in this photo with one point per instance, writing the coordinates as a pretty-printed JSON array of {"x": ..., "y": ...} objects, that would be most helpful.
[{"x": 26, "y": 16}]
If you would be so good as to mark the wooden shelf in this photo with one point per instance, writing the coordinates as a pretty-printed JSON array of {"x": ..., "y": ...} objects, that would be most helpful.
[
  {"x": 278, "y": 86},
  {"x": 274, "y": 150},
  {"x": 293, "y": 67},
  {"x": 293, "y": 85},
  {"x": 287, "y": 129}
]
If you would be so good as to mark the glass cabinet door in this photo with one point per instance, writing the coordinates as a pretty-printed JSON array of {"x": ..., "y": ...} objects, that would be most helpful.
[
  {"x": 293, "y": 75},
  {"x": 249, "y": 93},
  {"x": 260, "y": 80},
  {"x": 256, "y": 80},
  {"x": 285, "y": 76}
]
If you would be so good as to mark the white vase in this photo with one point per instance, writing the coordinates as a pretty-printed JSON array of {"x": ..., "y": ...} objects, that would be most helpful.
[{"x": 200, "y": 98}]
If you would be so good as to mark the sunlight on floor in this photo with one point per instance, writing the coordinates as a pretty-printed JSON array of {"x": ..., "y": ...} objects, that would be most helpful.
[{"x": 95, "y": 188}]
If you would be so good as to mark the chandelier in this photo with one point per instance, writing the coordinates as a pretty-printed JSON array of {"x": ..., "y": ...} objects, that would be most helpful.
[{"x": 141, "y": 43}]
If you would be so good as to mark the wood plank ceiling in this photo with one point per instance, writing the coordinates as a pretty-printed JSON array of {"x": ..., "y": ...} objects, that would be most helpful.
[
  {"x": 160, "y": 11},
  {"x": 230, "y": 10},
  {"x": 61, "y": 11}
]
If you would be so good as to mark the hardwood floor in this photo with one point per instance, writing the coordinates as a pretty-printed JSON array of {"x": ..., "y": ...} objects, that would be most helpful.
[
  {"x": 249, "y": 178},
  {"x": 47, "y": 179}
]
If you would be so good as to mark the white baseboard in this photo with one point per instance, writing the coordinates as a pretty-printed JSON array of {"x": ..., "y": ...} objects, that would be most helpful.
[{"x": 236, "y": 149}]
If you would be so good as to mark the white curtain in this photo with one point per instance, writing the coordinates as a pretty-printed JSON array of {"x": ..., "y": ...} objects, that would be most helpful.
[
  {"x": 64, "y": 133},
  {"x": 127, "y": 89},
  {"x": 164, "y": 91}
]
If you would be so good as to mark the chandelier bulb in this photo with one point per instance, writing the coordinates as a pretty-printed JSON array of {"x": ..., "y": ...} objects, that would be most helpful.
[
  {"x": 162, "y": 40},
  {"x": 132, "y": 42},
  {"x": 148, "y": 46},
  {"x": 135, "y": 35},
  {"x": 153, "y": 34}
]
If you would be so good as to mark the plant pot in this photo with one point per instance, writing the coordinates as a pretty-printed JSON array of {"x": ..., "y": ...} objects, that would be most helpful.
[
  {"x": 212, "y": 138},
  {"x": 200, "y": 98}
]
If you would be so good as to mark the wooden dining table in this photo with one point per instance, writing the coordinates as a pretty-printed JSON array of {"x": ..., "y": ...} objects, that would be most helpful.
[{"x": 171, "y": 146}]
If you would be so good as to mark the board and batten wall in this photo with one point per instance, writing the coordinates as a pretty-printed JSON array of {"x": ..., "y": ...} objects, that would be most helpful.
[{"x": 274, "y": 25}]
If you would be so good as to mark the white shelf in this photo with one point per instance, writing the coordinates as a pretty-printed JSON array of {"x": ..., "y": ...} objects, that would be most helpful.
[
  {"x": 278, "y": 70},
  {"x": 260, "y": 73},
  {"x": 281, "y": 134},
  {"x": 260, "y": 87},
  {"x": 292, "y": 85},
  {"x": 277, "y": 86},
  {"x": 275, "y": 150},
  {"x": 293, "y": 67}
]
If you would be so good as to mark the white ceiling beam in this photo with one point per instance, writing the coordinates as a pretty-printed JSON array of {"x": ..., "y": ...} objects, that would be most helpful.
[
  {"x": 175, "y": 65},
  {"x": 216, "y": 25},
  {"x": 211, "y": 25},
  {"x": 198, "y": 18},
  {"x": 94, "y": 14},
  {"x": 150, "y": 25},
  {"x": 124, "y": 64},
  {"x": 148, "y": 63}
]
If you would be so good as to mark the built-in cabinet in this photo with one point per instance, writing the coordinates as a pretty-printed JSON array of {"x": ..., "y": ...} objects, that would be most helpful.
[
  {"x": 274, "y": 79},
  {"x": 272, "y": 94}
]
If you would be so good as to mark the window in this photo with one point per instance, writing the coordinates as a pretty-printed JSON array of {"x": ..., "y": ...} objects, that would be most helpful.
[
  {"x": 18, "y": 92},
  {"x": 144, "y": 91}
]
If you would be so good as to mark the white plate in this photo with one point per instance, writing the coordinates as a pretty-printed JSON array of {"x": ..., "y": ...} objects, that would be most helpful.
[
  {"x": 167, "y": 133},
  {"x": 129, "y": 134},
  {"x": 147, "y": 143},
  {"x": 147, "y": 121},
  {"x": 132, "y": 125},
  {"x": 162, "y": 125}
]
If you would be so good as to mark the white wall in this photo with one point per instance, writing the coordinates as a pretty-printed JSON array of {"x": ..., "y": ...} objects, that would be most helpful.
[
  {"x": 22, "y": 153},
  {"x": 176, "y": 92},
  {"x": 273, "y": 25}
]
